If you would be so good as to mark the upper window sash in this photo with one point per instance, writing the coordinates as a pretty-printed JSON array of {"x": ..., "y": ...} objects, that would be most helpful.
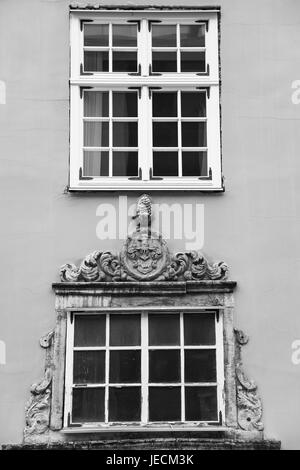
[{"x": 96, "y": 55}]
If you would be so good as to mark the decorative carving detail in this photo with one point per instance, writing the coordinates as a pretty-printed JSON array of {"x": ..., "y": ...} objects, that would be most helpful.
[
  {"x": 144, "y": 257},
  {"x": 46, "y": 340},
  {"x": 38, "y": 407},
  {"x": 249, "y": 404}
]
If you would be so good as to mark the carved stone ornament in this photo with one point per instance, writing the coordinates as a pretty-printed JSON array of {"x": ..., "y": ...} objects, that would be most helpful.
[
  {"x": 37, "y": 416},
  {"x": 249, "y": 406},
  {"x": 144, "y": 257}
]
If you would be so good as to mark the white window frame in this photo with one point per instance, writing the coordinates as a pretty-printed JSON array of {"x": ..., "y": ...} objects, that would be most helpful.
[
  {"x": 144, "y": 347},
  {"x": 170, "y": 81}
]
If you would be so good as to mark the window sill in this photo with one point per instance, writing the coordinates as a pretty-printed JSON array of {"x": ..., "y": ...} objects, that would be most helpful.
[
  {"x": 142, "y": 429},
  {"x": 163, "y": 185}
]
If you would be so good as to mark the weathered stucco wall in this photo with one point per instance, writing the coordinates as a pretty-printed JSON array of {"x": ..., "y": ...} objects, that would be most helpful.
[{"x": 253, "y": 226}]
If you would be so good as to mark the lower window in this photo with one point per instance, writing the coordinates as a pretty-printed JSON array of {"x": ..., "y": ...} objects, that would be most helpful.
[{"x": 144, "y": 368}]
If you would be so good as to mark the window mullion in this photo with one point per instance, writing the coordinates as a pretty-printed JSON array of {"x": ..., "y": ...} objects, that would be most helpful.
[
  {"x": 144, "y": 366},
  {"x": 110, "y": 54},
  {"x": 110, "y": 134},
  {"x": 143, "y": 48},
  {"x": 143, "y": 126},
  {"x": 182, "y": 367},
  {"x": 178, "y": 47},
  {"x": 179, "y": 133},
  {"x": 107, "y": 368}
]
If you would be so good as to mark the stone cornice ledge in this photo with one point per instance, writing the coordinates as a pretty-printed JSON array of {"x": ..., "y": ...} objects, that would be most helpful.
[{"x": 138, "y": 288}]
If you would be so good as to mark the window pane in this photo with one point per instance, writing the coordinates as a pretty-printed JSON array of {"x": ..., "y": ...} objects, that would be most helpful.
[
  {"x": 95, "y": 163},
  {"x": 124, "y": 404},
  {"x": 164, "y": 404},
  {"x": 192, "y": 35},
  {"x": 200, "y": 365},
  {"x": 164, "y": 366},
  {"x": 125, "y": 366},
  {"x": 89, "y": 330},
  {"x": 193, "y": 104},
  {"x": 125, "y": 134},
  {"x": 201, "y": 404},
  {"x": 194, "y": 164},
  {"x": 125, "y": 35},
  {"x": 88, "y": 405},
  {"x": 193, "y": 134},
  {"x": 164, "y": 330},
  {"x": 164, "y": 62},
  {"x": 165, "y": 163},
  {"x": 125, "y": 163},
  {"x": 164, "y": 104},
  {"x": 193, "y": 61},
  {"x": 164, "y": 36},
  {"x": 199, "y": 329},
  {"x": 125, "y": 330},
  {"x": 96, "y": 35},
  {"x": 96, "y": 134},
  {"x": 89, "y": 367},
  {"x": 96, "y": 103},
  {"x": 125, "y": 104},
  {"x": 96, "y": 61},
  {"x": 165, "y": 134},
  {"x": 124, "y": 61}
]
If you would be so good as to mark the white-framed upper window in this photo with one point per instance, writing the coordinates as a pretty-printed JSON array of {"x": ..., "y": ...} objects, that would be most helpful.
[
  {"x": 144, "y": 368},
  {"x": 145, "y": 100}
]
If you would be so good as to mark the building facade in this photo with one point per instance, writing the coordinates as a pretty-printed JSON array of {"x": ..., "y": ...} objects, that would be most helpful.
[{"x": 150, "y": 223}]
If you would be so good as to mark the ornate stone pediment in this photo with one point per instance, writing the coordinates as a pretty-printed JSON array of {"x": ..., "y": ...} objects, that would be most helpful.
[{"x": 144, "y": 257}]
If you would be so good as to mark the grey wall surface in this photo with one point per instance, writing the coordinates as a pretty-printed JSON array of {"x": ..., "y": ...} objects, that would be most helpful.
[{"x": 254, "y": 226}]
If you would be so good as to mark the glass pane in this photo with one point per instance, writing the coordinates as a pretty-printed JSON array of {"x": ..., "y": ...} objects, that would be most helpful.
[
  {"x": 193, "y": 134},
  {"x": 125, "y": 163},
  {"x": 124, "y": 61},
  {"x": 199, "y": 329},
  {"x": 164, "y": 366},
  {"x": 164, "y": 330},
  {"x": 96, "y": 104},
  {"x": 164, "y": 62},
  {"x": 96, "y": 35},
  {"x": 164, "y": 35},
  {"x": 192, "y": 35},
  {"x": 200, "y": 365},
  {"x": 88, "y": 405},
  {"x": 95, "y": 163},
  {"x": 89, "y": 330},
  {"x": 96, "y": 61},
  {"x": 201, "y": 404},
  {"x": 165, "y": 163},
  {"x": 193, "y": 104},
  {"x": 89, "y": 367},
  {"x": 125, "y": 104},
  {"x": 164, "y": 404},
  {"x": 125, "y": 134},
  {"x": 164, "y": 104},
  {"x": 125, "y": 366},
  {"x": 125, "y": 330},
  {"x": 125, "y": 35},
  {"x": 193, "y": 61},
  {"x": 124, "y": 404},
  {"x": 96, "y": 134},
  {"x": 194, "y": 164},
  {"x": 165, "y": 134}
]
